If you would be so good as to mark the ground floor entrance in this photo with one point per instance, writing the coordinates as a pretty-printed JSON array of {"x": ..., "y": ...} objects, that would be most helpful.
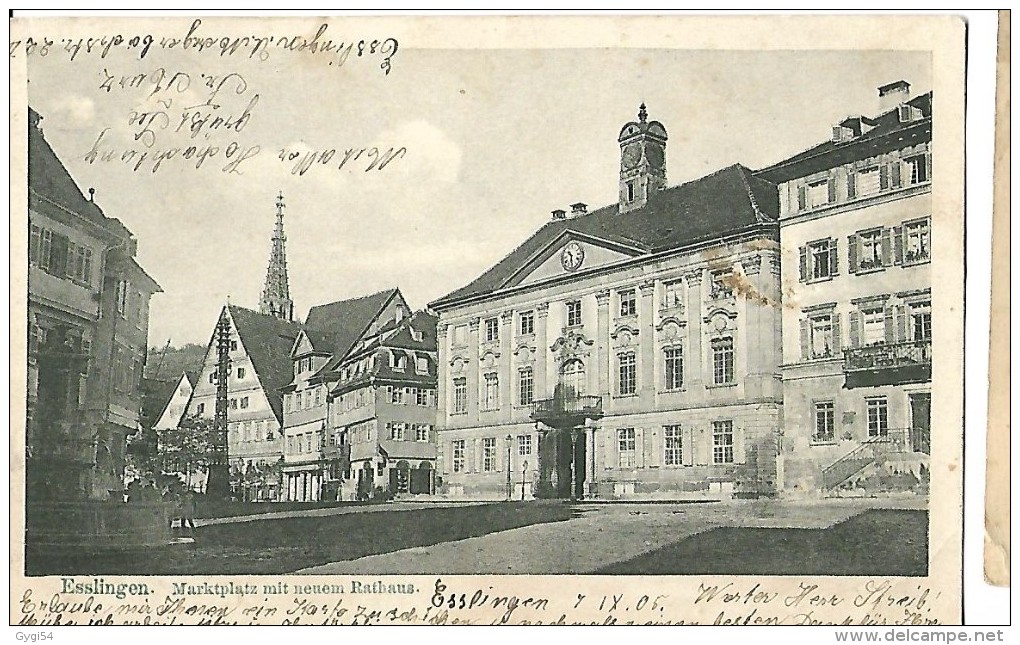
[{"x": 562, "y": 464}]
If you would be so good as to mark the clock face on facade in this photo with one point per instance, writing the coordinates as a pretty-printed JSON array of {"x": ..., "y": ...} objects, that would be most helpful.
[
  {"x": 631, "y": 155},
  {"x": 655, "y": 156},
  {"x": 572, "y": 256}
]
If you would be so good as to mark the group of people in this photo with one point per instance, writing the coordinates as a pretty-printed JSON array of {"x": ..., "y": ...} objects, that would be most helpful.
[{"x": 182, "y": 498}]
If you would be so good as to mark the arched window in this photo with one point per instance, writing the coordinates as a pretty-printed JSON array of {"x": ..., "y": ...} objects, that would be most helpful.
[{"x": 572, "y": 379}]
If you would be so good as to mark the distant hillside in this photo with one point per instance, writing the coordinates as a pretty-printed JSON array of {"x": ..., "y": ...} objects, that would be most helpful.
[{"x": 166, "y": 364}]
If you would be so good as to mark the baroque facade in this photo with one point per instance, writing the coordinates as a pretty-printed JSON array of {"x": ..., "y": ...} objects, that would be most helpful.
[
  {"x": 88, "y": 317},
  {"x": 630, "y": 351},
  {"x": 855, "y": 214}
]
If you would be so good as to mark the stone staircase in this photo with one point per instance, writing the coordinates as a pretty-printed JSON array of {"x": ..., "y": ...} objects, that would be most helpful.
[{"x": 871, "y": 453}]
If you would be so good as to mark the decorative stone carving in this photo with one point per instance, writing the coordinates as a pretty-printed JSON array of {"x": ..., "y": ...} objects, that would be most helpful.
[
  {"x": 573, "y": 344},
  {"x": 602, "y": 297},
  {"x": 647, "y": 287},
  {"x": 473, "y": 323},
  {"x": 751, "y": 264},
  {"x": 542, "y": 309},
  {"x": 694, "y": 278}
]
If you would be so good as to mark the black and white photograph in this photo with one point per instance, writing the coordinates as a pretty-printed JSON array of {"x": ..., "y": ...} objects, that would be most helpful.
[{"x": 326, "y": 297}]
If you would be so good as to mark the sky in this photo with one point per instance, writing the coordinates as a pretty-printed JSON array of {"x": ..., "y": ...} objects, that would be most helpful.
[{"x": 495, "y": 140}]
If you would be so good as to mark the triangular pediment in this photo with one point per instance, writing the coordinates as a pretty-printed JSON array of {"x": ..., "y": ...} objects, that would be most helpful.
[
  {"x": 302, "y": 345},
  {"x": 571, "y": 253}
]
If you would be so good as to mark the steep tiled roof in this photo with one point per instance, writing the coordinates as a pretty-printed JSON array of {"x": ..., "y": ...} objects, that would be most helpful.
[
  {"x": 878, "y": 135},
  {"x": 268, "y": 341},
  {"x": 156, "y": 396},
  {"x": 47, "y": 176},
  {"x": 344, "y": 322},
  {"x": 722, "y": 203}
]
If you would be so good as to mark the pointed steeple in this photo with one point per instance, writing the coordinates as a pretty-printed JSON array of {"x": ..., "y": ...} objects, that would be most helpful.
[{"x": 276, "y": 293}]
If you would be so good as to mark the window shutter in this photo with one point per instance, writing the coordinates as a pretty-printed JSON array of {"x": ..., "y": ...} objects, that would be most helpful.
[
  {"x": 851, "y": 185},
  {"x": 883, "y": 177},
  {"x": 927, "y": 163},
  {"x": 890, "y": 326},
  {"x": 833, "y": 256},
  {"x": 58, "y": 255},
  {"x": 898, "y": 244},
  {"x": 704, "y": 447},
  {"x": 851, "y": 253},
  {"x": 886, "y": 247},
  {"x": 896, "y": 174},
  {"x": 832, "y": 190},
  {"x": 803, "y": 264},
  {"x": 805, "y": 339},
  {"x": 687, "y": 446},
  {"x": 901, "y": 323},
  {"x": 801, "y": 197},
  {"x": 837, "y": 340},
  {"x": 855, "y": 329},
  {"x": 739, "y": 449},
  {"x": 639, "y": 447},
  {"x": 654, "y": 448}
]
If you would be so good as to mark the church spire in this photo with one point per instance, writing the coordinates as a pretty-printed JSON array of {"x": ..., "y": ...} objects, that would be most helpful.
[{"x": 276, "y": 294}]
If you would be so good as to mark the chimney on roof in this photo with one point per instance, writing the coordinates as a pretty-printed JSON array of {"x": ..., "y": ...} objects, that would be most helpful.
[
  {"x": 892, "y": 95},
  {"x": 559, "y": 213},
  {"x": 578, "y": 209}
]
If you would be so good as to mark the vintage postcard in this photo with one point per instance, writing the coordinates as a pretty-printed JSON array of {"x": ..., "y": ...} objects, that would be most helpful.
[{"x": 487, "y": 320}]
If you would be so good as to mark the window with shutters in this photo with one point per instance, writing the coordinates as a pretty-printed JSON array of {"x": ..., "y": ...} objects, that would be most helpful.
[
  {"x": 674, "y": 367},
  {"x": 866, "y": 182},
  {"x": 819, "y": 260},
  {"x": 722, "y": 361},
  {"x": 457, "y": 451},
  {"x": 628, "y": 373},
  {"x": 459, "y": 395},
  {"x": 820, "y": 335},
  {"x": 825, "y": 422},
  {"x": 873, "y": 326},
  {"x": 722, "y": 442},
  {"x": 627, "y": 444},
  {"x": 817, "y": 193},
  {"x": 916, "y": 242},
  {"x": 422, "y": 432},
  {"x": 917, "y": 169},
  {"x": 489, "y": 454},
  {"x": 422, "y": 396},
  {"x": 869, "y": 250},
  {"x": 122, "y": 297},
  {"x": 920, "y": 321},
  {"x": 878, "y": 416},
  {"x": 396, "y": 431},
  {"x": 672, "y": 445}
]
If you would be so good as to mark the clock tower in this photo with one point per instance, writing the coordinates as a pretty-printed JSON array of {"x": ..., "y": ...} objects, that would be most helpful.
[{"x": 642, "y": 161}]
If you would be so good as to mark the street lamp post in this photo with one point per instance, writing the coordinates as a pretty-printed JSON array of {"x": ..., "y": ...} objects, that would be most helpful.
[
  {"x": 509, "y": 485},
  {"x": 573, "y": 464},
  {"x": 524, "y": 479}
]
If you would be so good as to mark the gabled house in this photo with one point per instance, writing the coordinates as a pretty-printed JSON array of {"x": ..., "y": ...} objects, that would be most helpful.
[{"x": 332, "y": 349}]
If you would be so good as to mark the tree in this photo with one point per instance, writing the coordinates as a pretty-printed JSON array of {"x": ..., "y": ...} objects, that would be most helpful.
[{"x": 189, "y": 447}]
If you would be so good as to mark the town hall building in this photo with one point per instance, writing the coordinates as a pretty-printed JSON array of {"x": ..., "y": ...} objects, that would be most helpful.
[{"x": 624, "y": 352}]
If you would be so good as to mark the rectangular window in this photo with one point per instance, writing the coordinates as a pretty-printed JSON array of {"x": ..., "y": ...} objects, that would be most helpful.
[
  {"x": 491, "y": 329},
  {"x": 460, "y": 335},
  {"x": 873, "y": 323},
  {"x": 200, "y": 409},
  {"x": 526, "y": 323},
  {"x": 917, "y": 169},
  {"x": 720, "y": 287},
  {"x": 527, "y": 386},
  {"x": 722, "y": 442},
  {"x": 917, "y": 241},
  {"x": 421, "y": 397},
  {"x": 674, "y": 358},
  {"x": 318, "y": 396},
  {"x": 573, "y": 313},
  {"x": 825, "y": 422},
  {"x": 627, "y": 441},
  {"x": 878, "y": 417},
  {"x": 672, "y": 446},
  {"x": 818, "y": 193},
  {"x": 489, "y": 454},
  {"x": 396, "y": 395},
  {"x": 867, "y": 181},
  {"x": 869, "y": 245},
  {"x": 122, "y": 297},
  {"x": 396, "y": 431},
  {"x": 628, "y": 373},
  {"x": 722, "y": 360},
  {"x": 244, "y": 403},
  {"x": 422, "y": 365},
  {"x": 673, "y": 294},
  {"x": 490, "y": 400},
  {"x": 422, "y": 432},
  {"x": 818, "y": 260},
  {"x": 920, "y": 321},
  {"x": 628, "y": 303},
  {"x": 524, "y": 445},
  {"x": 459, "y": 395},
  {"x": 240, "y": 374},
  {"x": 457, "y": 458},
  {"x": 822, "y": 342}
]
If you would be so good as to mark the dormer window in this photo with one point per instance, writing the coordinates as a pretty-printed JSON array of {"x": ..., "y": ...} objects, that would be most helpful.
[
  {"x": 401, "y": 363},
  {"x": 631, "y": 190},
  {"x": 422, "y": 365},
  {"x": 417, "y": 336}
]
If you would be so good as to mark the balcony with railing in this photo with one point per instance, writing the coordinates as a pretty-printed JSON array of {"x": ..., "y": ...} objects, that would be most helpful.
[
  {"x": 567, "y": 411},
  {"x": 888, "y": 364}
]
